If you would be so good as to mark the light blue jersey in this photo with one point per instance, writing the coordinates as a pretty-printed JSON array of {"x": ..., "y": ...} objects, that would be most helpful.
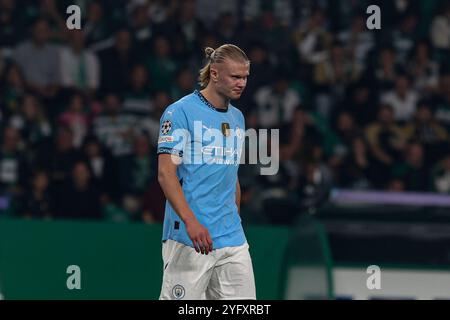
[{"x": 209, "y": 141}]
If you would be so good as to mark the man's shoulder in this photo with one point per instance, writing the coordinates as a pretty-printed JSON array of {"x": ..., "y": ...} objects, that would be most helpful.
[{"x": 236, "y": 112}]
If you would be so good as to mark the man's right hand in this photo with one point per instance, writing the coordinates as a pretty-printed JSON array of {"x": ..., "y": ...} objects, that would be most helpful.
[{"x": 200, "y": 236}]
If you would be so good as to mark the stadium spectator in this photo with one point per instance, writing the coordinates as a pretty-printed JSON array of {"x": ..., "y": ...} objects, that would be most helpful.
[
  {"x": 312, "y": 38},
  {"x": 356, "y": 170},
  {"x": 78, "y": 198},
  {"x": 426, "y": 130},
  {"x": 405, "y": 35},
  {"x": 358, "y": 41},
  {"x": 137, "y": 98},
  {"x": 402, "y": 98},
  {"x": 413, "y": 171},
  {"x": 13, "y": 164},
  {"x": 102, "y": 167},
  {"x": 117, "y": 62},
  {"x": 331, "y": 77},
  {"x": 13, "y": 89},
  {"x": 76, "y": 119},
  {"x": 343, "y": 134},
  {"x": 161, "y": 65},
  {"x": 136, "y": 173},
  {"x": 142, "y": 28},
  {"x": 276, "y": 103},
  {"x": 115, "y": 129},
  {"x": 96, "y": 26},
  {"x": 79, "y": 67},
  {"x": 423, "y": 69},
  {"x": 38, "y": 201},
  {"x": 33, "y": 124},
  {"x": 58, "y": 158},
  {"x": 441, "y": 176},
  {"x": 11, "y": 24},
  {"x": 226, "y": 27},
  {"x": 386, "y": 140},
  {"x": 188, "y": 24},
  {"x": 360, "y": 102},
  {"x": 385, "y": 69},
  {"x": 314, "y": 182},
  {"x": 38, "y": 59},
  {"x": 440, "y": 31}
]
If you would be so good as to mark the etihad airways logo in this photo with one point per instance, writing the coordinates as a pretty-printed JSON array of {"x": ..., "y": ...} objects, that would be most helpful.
[
  {"x": 219, "y": 151},
  {"x": 227, "y": 145}
]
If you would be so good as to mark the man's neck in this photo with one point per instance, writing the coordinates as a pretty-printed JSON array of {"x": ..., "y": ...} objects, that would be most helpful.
[{"x": 215, "y": 98}]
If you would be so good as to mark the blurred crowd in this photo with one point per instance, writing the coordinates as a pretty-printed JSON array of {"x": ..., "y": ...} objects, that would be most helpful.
[{"x": 356, "y": 108}]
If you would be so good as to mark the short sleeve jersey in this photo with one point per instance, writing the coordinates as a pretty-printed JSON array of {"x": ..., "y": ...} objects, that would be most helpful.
[{"x": 209, "y": 143}]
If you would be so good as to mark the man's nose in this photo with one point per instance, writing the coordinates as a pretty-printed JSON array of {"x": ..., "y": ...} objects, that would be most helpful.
[{"x": 242, "y": 83}]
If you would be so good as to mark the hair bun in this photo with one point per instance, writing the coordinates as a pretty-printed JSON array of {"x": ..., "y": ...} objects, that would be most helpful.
[{"x": 209, "y": 52}]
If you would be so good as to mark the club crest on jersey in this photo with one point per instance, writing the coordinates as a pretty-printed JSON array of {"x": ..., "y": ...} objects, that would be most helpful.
[
  {"x": 166, "y": 127},
  {"x": 178, "y": 292},
  {"x": 226, "y": 129}
]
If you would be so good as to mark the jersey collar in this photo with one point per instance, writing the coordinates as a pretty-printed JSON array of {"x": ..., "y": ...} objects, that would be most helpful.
[{"x": 208, "y": 104}]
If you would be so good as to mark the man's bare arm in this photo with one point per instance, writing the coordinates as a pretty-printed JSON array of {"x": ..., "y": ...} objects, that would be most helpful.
[{"x": 171, "y": 187}]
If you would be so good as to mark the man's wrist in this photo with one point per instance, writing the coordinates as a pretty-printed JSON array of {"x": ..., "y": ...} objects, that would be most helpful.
[{"x": 189, "y": 218}]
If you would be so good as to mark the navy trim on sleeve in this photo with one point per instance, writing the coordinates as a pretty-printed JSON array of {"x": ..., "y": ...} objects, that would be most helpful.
[{"x": 163, "y": 150}]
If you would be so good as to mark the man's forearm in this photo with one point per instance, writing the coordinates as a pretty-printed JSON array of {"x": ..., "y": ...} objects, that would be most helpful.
[{"x": 174, "y": 194}]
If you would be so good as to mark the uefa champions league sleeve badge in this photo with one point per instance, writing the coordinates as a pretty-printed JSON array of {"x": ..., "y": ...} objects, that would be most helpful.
[{"x": 166, "y": 127}]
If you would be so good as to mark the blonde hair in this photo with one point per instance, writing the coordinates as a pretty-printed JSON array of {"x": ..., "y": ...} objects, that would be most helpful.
[{"x": 218, "y": 55}]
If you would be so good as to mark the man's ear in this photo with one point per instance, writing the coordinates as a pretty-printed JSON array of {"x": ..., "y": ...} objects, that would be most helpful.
[{"x": 214, "y": 74}]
